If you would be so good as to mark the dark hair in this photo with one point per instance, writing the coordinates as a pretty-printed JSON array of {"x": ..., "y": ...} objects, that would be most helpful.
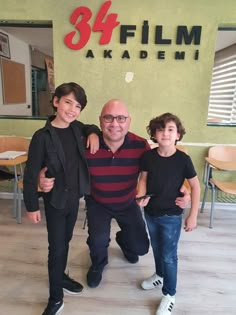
[
  {"x": 71, "y": 87},
  {"x": 160, "y": 122}
]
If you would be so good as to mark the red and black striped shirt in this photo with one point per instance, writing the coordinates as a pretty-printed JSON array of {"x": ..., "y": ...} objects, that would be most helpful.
[{"x": 114, "y": 175}]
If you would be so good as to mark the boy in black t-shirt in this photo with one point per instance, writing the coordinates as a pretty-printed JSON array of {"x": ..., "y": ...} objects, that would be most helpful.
[{"x": 163, "y": 171}]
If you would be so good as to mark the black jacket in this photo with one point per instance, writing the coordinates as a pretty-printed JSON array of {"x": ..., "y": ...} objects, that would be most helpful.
[{"x": 46, "y": 150}]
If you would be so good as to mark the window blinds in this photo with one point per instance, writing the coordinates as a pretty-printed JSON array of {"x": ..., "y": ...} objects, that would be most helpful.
[{"x": 222, "y": 100}]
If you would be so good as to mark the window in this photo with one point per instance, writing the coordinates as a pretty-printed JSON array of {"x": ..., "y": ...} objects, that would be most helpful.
[
  {"x": 31, "y": 45},
  {"x": 222, "y": 100}
]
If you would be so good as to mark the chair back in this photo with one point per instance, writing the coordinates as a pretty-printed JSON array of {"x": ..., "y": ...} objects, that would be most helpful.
[
  {"x": 182, "y": 148},
  {"x": 179, "y": 147},
  {"x": 223, "y": 153}
]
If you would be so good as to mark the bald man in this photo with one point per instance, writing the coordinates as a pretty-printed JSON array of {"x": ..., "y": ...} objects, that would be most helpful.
[{"x": 114, "y": 171}]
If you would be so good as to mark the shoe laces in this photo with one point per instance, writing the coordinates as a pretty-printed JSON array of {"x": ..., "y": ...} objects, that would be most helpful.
[{"x": 67, "y": 277}]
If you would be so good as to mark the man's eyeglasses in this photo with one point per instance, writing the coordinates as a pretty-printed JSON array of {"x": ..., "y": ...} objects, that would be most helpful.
[{"x": 120, "y": 118}]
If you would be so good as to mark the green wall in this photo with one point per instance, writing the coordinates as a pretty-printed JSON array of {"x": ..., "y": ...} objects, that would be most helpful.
[{"x": 178, "y": 86}]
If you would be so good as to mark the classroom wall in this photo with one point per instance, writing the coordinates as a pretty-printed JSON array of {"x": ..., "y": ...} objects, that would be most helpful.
[{"x": 178, "y": 86}]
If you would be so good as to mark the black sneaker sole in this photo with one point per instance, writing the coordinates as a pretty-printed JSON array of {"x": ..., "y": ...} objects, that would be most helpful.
[
  {"x": 72, "y": 292},
  {"x": 60, "y": 309}
]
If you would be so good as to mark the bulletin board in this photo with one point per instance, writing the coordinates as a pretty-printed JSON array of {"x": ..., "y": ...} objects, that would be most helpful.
[{"x": 13, "y": 82}]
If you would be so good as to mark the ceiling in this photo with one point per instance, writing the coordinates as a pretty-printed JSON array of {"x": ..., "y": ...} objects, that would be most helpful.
[
  {"x": 40, "y": 38},
  {"x": 225, "y": 38}
]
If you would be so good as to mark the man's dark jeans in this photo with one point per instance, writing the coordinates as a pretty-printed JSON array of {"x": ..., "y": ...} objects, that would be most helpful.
[{"x": 133, "y": 233}]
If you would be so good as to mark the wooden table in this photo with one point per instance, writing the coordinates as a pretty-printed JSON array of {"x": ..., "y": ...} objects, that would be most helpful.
[{"x": 16, "y": 163}]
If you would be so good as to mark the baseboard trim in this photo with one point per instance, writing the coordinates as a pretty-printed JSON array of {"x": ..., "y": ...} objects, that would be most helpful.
[
  {"x": 218, "y": 205},
  {"x": 6, "y": 195}
]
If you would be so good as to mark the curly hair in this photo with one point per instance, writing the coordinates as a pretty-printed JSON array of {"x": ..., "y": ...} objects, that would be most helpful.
[{"x": 160, "y": 122}]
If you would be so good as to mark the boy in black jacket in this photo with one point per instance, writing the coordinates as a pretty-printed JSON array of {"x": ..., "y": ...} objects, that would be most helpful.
[{"x": 60, "y": 147}]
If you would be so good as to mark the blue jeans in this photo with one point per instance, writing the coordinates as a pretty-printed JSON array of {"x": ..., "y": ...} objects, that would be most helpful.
[{"x": 164, "y": 234}]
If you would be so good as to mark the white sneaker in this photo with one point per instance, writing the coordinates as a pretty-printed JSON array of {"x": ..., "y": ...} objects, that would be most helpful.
[
  {"x": 166, "y": 306},
  {"x": 152, "y": 282}
]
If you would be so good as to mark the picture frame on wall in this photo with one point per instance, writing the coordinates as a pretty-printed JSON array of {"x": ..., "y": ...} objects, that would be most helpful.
[{"x": 4, "y": 46}]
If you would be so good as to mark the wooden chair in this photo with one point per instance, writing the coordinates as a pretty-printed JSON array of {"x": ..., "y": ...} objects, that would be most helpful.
[
  {"x": 220, "y": 159},
  {"x": 8, "y": 143}
]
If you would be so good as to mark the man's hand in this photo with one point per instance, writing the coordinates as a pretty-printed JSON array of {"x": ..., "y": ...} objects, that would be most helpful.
[
  {"x": 93, "y": 143},
  {"x": 45, "y": 184},
  {"x": 34, "y": 217},
  {"x": 183, "y": 202}
]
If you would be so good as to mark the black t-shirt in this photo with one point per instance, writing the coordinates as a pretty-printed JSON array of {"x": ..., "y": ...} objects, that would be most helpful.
[
  {"x": 165, "y": 178},
  {"x": 68, "y": 141}
]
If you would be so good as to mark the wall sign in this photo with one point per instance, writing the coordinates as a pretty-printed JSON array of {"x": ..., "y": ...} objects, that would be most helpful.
[{"x": 106, "y": 22}]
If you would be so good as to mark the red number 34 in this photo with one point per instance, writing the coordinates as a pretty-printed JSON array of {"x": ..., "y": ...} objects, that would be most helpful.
[{"x": 101, "y": 24}]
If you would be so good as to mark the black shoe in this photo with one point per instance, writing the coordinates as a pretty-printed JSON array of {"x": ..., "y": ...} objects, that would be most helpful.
[
  {"x": 71, "y": 286},
  {"x": 53, "y": 309},
  {"x": 94, "y": 277},
  {"x": 132, "y": 258}
]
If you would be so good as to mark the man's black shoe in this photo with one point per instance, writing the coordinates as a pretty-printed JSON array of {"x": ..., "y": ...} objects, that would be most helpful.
[
  {"x": 53, "y": 309},
  {"x": 94, "y": 277},
  {"x": 132, "y": 258},
  {"x": 71, "y": 286}
]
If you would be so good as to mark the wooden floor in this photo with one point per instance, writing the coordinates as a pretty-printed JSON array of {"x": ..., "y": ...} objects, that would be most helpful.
[{"x": 206, "y": 281}]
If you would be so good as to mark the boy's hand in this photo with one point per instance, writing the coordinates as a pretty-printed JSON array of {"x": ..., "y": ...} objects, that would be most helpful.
[
  {"x": 190, "y": 223},
  {"x": 34, "y": 217},
  {"x": 93, "y": 143}
]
